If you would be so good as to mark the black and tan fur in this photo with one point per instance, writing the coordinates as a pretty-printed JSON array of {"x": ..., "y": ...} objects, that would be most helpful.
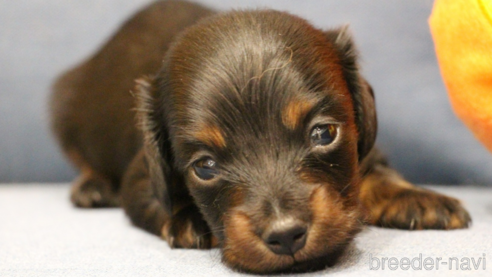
[{"x": 243, "y": 88}]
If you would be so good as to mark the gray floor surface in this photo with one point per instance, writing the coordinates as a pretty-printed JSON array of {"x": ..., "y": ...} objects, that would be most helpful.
[{"x": 41, "y": 234}]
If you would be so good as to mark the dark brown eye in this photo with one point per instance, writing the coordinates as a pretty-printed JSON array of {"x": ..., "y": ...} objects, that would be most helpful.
[
  {"x": 322, "y": 135},
  {"x": 205, "y": 169}
]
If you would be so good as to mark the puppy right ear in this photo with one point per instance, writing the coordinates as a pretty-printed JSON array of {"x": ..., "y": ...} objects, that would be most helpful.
[
  {"x": 360, "y": 90},
  {"x": 155, "y": 139}
]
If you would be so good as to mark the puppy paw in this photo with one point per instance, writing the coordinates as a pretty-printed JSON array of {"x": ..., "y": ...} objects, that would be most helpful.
[
  {"x": 93, "y": 193},
  {"x": 418, "y": 209},
  {"x": 188, "y": 229}
]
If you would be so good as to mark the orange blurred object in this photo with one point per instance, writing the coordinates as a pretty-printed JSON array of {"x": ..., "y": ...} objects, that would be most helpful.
[{"x": 462, "y": 32}]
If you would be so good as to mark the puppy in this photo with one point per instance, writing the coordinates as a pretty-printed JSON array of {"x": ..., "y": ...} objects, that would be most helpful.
[{"x": 255, "y": 132}]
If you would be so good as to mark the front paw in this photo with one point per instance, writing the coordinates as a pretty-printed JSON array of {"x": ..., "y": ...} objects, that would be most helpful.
[
  {"x": 188, "y": 229},
  {"x": 92, "y": 192},
  {"x": 418, "y": 209}
]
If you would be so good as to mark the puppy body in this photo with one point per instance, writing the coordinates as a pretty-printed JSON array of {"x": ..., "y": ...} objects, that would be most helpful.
[
  {"x": 256, "y": 134},
  {"x": 92, "y": 105}
]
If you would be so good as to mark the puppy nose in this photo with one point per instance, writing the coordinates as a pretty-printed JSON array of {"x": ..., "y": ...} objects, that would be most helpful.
[{"x": 286, "y": 236}]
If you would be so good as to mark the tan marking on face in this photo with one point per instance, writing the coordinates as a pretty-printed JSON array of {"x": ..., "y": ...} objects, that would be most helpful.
[
  {"x": 328, "y": 207},
  {"x": 310, "y": 176},
  {"x": 294, "y": 112},
  {"x": 332, "y": 224},
  {"x": 212, "y": 136},
  {"x": 237, "y": 197}
]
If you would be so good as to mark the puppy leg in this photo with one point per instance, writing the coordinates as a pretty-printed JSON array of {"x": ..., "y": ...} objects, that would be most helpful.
[
  {"x": 393, "y": 202},
  {"x": 90, "y": 190},
  {"x": 188, "y": 229},
  {"x": 185, "y": 228}
]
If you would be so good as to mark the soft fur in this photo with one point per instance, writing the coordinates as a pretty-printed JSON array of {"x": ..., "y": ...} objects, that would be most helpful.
[{"x": 244, "y": 89}]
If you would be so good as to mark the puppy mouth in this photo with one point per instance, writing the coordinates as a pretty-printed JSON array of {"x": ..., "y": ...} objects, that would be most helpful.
[
  {"x": 301, "y": 264},
  {"x": 254, "y": 256},
  {"x": 317, "y": 263},
  {"x": 292, "y": 264},
  {"x": 288, "y": 245}
]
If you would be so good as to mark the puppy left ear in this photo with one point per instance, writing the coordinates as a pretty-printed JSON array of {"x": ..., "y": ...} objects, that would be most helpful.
[
  {"x": 157, "y": 152},
  {"x": 361, "y": 91}
]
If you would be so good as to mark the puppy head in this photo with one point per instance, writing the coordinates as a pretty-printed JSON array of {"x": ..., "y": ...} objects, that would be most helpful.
[{"x": 262, "y": 119}]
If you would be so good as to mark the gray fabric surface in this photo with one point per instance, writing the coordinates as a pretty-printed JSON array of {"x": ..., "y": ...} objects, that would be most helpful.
[
  {"x": 41, "y": 234},
  {"x": 418, "y": 130}
]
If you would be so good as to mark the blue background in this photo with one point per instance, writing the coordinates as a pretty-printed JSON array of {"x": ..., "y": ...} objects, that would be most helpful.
[{"x": 418, "y": 130}]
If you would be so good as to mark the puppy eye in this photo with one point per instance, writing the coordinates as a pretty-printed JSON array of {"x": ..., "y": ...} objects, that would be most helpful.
[
  {"x": 322, "y": 135},
  {"x": 205, "y": 169}
]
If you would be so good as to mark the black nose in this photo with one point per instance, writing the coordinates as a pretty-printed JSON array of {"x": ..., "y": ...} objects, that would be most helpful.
[{"x": 286, "y": 236}]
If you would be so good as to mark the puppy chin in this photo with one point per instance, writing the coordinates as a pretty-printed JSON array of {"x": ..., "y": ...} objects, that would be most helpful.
[
  {"x": 318, "y": 263},
  {"x": 286, "y": 264},
  {"x": 331, "y": 230}
]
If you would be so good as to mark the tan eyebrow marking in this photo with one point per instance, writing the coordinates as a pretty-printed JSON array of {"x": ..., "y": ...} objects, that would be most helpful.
[
  {"x": 294, "y": 112},
  {"x": 212, "y": 136}
]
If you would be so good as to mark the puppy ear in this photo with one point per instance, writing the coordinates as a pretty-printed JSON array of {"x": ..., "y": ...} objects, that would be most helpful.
[
  {"x": 361, "y": 91},
  {"x": 155, "y": 140}
]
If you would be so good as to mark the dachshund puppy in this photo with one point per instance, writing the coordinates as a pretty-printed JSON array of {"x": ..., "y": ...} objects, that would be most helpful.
[{"x": 254, "y": 132}]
